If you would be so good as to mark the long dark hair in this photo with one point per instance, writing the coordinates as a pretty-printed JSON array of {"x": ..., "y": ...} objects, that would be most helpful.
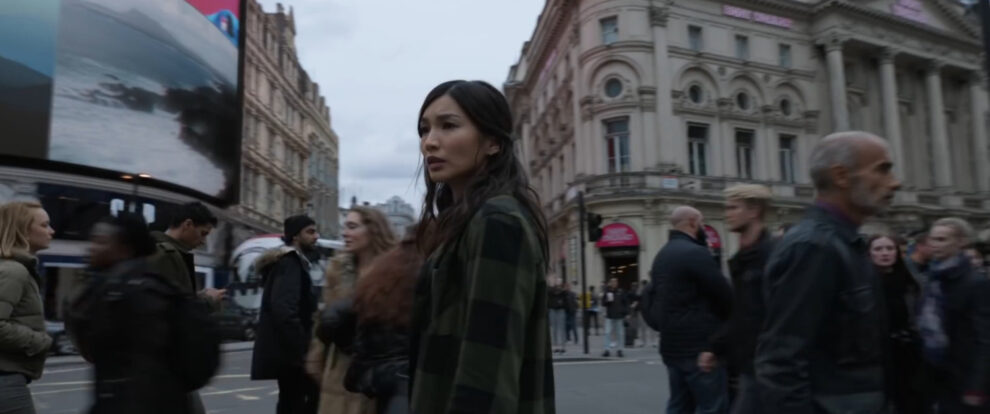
[{"x": 444, "y": 219}]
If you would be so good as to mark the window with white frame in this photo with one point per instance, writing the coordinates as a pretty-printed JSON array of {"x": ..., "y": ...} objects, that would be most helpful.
[
  {"x": 744, "y": 153},
  {"x": 695, "y": 39},
  {"x": 787, "y": 149},
  {"x": 698, "y": 149},
  {"x": 617, "y": 144},
  {"x": 610, "y": 29}
]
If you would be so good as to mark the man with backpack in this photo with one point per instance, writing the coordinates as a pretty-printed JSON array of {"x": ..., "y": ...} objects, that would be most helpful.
[
  {"x": 173, "y": 259},
  {"x": 285, "y": 324}
]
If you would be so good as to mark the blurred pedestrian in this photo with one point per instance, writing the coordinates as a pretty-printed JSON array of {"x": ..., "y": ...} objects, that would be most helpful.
[
  {"x": 616, "y": 306},
  {"x": 374, "y": 327},
  {"x": 570, "y": 325},
  {"x": 975, "y": 255},
  {"x": 688, "y": 301},
  {"x": 955, "y": 322},
  {"x": 557, "y": 312},
  {"x": 919, "y": 253},
  {"x": 25, "y": 229},
  {"x": 123, "y": 324},
  {"x": 592, "y": 304},
  {"x": 822, "y": 343},
  {"x": 367, "y": 235},
  {"x": 902, "y": 294},
  {"x": 481, "y": 340},
  {"x": 646, "y": 333},
  {"x": 745, "y": 208},
  {"x": 174, "y": 260},
  {"x": 285, "y": 321},
  {"x": 632, "y": 319}
]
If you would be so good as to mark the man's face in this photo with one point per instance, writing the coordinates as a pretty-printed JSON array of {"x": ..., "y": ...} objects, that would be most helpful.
[
  {"x": 922, "y": 250},
  {"x": 613, "y": 283},
  {"x": 194, "y": 236},
  {"x": 872, "y": 185},
  {"x": 307, "y": 237},
  {"x": 945, "y": 243},
  {"x": 739, "y": 215}
]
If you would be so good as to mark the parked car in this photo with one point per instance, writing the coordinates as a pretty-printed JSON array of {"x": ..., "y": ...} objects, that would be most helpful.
[
  {"x": 237, "y": 323},
  {"x": 61, "y": 344}
]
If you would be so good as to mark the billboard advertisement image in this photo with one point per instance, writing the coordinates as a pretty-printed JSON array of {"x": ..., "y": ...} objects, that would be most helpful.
[{"x": 130, "y": 86}]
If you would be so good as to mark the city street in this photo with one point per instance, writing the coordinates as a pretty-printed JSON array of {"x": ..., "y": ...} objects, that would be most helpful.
[{"x": 633, "y": 385}]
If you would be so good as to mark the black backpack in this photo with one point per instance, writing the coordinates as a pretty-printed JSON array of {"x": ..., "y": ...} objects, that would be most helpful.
[{"x": 197, "y": 342}]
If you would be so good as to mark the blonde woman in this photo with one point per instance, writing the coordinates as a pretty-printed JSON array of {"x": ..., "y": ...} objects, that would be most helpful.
[
  {"x": 25, "y": 229},
  {"x": 367, "y": 235}
]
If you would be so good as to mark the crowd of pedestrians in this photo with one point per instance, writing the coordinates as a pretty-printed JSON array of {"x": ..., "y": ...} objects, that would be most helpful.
[{"x": 459, "y": 316}]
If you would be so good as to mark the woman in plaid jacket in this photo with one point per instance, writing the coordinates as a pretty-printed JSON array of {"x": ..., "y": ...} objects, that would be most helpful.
[{"x": 480, "y": 335}]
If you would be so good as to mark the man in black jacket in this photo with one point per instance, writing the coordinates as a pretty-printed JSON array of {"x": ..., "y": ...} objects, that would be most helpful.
[
  {"x": 823, "y": 333},
  {"x": 688, "y": 301},
  {"x": 285, "y": 323},
  {"x": 745, "y": 206}
]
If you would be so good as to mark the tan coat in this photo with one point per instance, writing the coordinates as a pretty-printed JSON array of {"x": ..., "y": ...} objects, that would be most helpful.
[{"x": 328, "y": 365}]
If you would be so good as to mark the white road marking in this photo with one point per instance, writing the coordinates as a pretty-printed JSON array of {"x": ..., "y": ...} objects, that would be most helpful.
[
  {"x": 60, "y": 391},
  {"x": 61, "y": 384},
  {"x": 233, "y": 391},
  {"x": 61, "y": 371},
  {"x": 247, "y": 397},
  {"x": 624, "y": 361}
]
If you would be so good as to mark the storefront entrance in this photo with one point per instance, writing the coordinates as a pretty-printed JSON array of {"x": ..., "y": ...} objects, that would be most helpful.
[{"x": 619, "y": 247}]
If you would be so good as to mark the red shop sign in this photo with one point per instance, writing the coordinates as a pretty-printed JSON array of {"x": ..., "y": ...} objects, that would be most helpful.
[
  {"x": 618, "y": 235},
  {"x": 714, "y": 240}
]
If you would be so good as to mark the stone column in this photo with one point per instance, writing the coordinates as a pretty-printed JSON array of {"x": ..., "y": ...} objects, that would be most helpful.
[
  {"x": 977, "y": 97},
  {"x": 672, "y": 149},
  {"x": 651, "y": 155},
  {"x": 891, "y": 119},
  {"x": 837, "y": 83},
  {"x": 936, "y": 119},
  {"x": 587, "y": 148}
]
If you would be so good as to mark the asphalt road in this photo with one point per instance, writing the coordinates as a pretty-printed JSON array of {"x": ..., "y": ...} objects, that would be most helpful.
[{"x": 634, "y": 385}]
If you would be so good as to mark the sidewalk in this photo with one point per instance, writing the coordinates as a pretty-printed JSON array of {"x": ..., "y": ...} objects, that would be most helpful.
[
  {"x": 596, "y": 345},
  {"x": 76, "y": 359}
]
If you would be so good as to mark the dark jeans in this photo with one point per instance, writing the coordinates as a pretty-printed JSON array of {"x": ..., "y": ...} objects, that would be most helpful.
[
  {"x": 15, "y": 397},
  {"x": 297, "y": 394},
  {"x": 693, "y": 391},
  {"x": 592, "y": 317},
  {"x": 571, "y": 326}
]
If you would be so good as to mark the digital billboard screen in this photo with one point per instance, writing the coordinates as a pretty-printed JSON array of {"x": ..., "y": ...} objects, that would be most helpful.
[{"x": 125, "y": 86}]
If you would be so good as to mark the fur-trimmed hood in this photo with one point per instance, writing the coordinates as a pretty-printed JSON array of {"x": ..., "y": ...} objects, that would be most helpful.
[
  {"x": 271, "y": 256},
  {"x": 340, "y": 277}
]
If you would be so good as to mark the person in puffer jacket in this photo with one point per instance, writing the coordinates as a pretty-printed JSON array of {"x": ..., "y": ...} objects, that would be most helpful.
[{"x": 24, "y": 231}]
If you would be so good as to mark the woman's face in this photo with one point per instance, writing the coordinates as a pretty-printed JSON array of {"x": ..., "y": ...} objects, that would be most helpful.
[
  {"x": 40, "y": 232},
  {"x": 944, "y": 242},
  {"x": 356, "y": 235},
  {"x": 883, "y": 252},
  {"x": 452, "y": 146}
]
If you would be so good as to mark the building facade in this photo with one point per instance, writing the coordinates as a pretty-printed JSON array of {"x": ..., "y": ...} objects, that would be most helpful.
[
  {"x": 400, "y": 214},
  {"x": 289, "y": 153},
  {"x": 645, "y": 105}
]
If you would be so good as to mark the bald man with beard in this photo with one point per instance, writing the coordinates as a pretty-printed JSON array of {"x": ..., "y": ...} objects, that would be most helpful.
[{"x": 688, "y": 301}]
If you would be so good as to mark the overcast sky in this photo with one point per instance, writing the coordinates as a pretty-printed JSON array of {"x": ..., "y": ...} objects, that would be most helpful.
[{"x": 375, "y": 62}]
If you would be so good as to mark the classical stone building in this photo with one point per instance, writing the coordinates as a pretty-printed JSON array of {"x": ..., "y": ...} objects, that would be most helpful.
[
  {"x": 648, "y": 104},
  {"x": 289, "y": 149},
  {"x": 400, "y": 214}
]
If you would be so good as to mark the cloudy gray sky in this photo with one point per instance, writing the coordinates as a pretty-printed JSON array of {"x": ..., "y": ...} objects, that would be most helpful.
[{"x": 375, "y": 62}]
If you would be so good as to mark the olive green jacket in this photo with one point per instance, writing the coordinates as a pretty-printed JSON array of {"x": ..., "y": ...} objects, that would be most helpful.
[
  {"x": 174, "y": 261},
  {"x": 23, "y": 340}
]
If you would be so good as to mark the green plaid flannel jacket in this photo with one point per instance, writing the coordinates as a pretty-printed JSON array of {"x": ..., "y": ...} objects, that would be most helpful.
[{"x": 481, "y": 314}]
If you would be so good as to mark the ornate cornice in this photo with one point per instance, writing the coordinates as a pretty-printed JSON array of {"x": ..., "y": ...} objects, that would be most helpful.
[
  {"x": 734, "y": 63},
  {"x": 659, "y": 15},
  {"x": 888, "y": 55},
  {"x": 879, "y": 16},
  {"x": 616, "y": 48}
]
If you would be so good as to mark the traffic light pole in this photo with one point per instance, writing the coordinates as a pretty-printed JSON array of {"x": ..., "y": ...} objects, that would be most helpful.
[{"x": 582, "y": 217}]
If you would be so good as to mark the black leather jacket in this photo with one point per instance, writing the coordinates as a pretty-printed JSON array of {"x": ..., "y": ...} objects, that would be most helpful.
[
  {"x": 821, "y": 346},
  {"x": 737, "y": 339}
]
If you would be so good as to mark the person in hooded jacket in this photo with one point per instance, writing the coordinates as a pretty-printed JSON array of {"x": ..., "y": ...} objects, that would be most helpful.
[
  {"x": 954, "y": 322},
  {"x": 285, "y": 321},
  {"x": 24, "y": 230}
]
